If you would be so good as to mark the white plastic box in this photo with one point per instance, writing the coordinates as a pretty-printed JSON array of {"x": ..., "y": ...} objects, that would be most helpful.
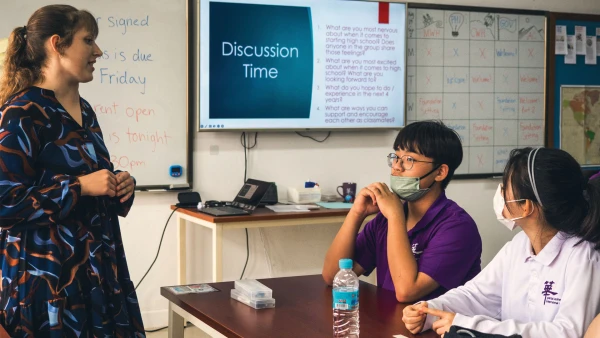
[
  {"x": 253, "y": 289},
  {"x": 255, "y": 303},
  {"x": 304, "y": 195}
]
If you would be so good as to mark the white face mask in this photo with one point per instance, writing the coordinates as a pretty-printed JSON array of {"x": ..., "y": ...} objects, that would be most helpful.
[{"x": 499, "y": 207}]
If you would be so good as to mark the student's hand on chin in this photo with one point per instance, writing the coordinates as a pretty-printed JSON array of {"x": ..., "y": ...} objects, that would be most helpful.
[
  {"x": 442, "y": 325},
  {"x": 365, "y": 203},
  {"x": 389, "y": 203}
]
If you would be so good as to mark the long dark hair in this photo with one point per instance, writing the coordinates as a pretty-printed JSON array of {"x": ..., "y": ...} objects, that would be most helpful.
[
  {"x": 567, "y": 200},
  {"x": 26, "y": 54}
]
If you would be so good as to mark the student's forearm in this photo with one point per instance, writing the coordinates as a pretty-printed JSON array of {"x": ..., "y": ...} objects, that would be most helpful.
[
  {"x": 342, "y": 246},
  {"x": 403, "y": 267}
]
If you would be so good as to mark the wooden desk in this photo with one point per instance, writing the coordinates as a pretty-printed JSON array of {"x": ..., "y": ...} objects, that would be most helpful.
[
  {"x": 303, "y": 308},
  {"x": 3, "y": 333},
  {"x": 260, "y": 218}
]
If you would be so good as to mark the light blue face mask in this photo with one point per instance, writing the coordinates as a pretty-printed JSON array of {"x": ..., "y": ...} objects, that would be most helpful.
[{"x": 409, "y": 188}]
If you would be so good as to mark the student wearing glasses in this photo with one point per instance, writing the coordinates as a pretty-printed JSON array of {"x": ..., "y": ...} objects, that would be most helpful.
[{"x": 421, "y": 243}]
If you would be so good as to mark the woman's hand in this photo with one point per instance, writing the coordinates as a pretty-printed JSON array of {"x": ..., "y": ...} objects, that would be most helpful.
[
  {"x": 100, "y": 183},
  {"x": 125, "y": 186}
]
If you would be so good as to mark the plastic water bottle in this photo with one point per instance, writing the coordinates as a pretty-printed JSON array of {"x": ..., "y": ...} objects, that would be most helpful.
[{"x": 345, "y": 302}]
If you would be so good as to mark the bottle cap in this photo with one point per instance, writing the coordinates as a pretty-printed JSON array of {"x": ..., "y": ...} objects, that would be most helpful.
[{"x": 345, "y": 263}]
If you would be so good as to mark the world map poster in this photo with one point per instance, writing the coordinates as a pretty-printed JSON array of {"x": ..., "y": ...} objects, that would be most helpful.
[{"x": 580, "y": 123}]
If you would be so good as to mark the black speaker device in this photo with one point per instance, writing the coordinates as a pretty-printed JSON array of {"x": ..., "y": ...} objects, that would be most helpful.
[
  {"x": 270, "y": 197},
  {"x": 188, "y": 199}
]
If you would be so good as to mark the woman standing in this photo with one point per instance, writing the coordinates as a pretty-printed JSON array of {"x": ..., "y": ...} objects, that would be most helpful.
[{"x": 63, "y": 266}]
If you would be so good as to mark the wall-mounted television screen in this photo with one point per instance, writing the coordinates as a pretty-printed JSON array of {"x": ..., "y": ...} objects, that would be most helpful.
[{"x": 301, "y": 64}]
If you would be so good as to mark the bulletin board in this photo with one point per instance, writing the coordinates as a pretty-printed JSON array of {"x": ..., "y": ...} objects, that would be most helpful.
[{"x": 574, "y": 94}]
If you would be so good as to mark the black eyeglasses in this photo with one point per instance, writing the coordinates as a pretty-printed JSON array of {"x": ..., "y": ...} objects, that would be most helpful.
[{"x": 406, "y": 161}]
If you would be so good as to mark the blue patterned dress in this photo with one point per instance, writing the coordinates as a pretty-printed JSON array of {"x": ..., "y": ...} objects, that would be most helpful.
[{"x": 63, "y": 266}]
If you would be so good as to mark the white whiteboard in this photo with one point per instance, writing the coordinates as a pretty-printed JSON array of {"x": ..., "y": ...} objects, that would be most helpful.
[
  {"x": 482, "y": 74},
  {"x": 144, "y": 121}
]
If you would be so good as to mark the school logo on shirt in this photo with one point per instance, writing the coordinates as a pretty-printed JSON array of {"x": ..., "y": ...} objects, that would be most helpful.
[
  {"x": 549, "y": 295},
  {"x": 415, "y": 251}
]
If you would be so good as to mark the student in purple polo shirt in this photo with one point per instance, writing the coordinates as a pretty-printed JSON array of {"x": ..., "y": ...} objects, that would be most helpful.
[{"x": 427, "y": 245}]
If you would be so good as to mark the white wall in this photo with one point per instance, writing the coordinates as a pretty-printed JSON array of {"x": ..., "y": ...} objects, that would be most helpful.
[{"x": 286, "y": 159}]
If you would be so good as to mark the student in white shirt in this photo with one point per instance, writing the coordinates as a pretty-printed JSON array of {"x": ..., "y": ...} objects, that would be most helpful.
[{"x": 544, "y": 283}]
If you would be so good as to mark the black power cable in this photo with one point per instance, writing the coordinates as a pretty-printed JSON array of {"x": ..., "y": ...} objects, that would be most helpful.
[
  {"x": 314, "y": 139},
  {"x": 244, "y": 142},
  {"x": 151, "y": 265},
  {"x": 158, "y": 251}
]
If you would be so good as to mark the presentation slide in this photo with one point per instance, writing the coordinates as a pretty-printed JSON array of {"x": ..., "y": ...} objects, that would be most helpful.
[{"x": 302, "y": 64}]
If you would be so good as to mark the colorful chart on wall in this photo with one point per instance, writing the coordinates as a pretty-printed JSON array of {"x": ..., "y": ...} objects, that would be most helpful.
[{"x": 483, "y": 74}]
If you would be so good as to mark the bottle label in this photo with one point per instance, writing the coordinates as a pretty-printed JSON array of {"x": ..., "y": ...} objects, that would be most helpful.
[{"x": 345, "y": 300}]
